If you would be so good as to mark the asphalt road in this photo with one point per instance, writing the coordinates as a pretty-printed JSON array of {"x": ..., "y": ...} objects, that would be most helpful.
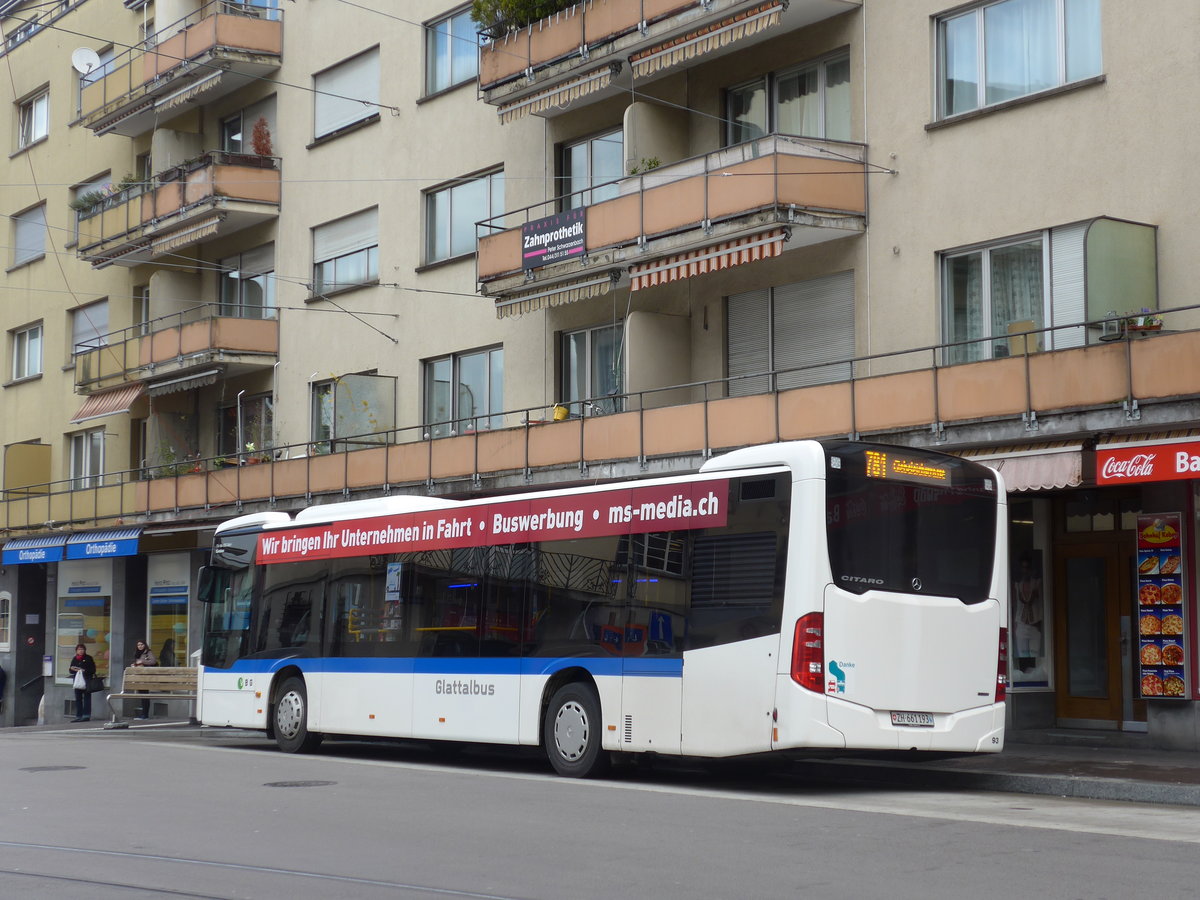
[{"x": 221, "y": 814}]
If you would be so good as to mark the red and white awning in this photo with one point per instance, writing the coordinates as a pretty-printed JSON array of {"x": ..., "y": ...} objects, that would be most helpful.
[
  {"x": 725, "y": 255},
  {"x": 108, "y": 403}
]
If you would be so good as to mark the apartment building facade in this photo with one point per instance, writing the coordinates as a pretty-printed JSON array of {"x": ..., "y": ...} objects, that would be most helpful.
[{"x": 359, "y": 253}]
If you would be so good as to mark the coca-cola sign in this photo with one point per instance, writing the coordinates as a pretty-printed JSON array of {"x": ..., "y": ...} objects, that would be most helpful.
[{"x": 1149, "y": 462}]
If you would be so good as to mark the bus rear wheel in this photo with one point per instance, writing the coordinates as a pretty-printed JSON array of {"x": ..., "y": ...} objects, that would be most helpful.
[
  {"x": 571, "y": 732},
  {"x": 290, "y": 715}
]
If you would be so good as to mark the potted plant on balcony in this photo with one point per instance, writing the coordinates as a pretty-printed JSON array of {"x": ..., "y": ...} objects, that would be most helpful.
[{"x": 1144, "y": 321}]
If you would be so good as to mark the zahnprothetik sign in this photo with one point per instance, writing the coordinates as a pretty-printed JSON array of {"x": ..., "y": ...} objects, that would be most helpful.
[
  {"x": 552, "y": 239},
  {"x": 1148, "y": 462}
]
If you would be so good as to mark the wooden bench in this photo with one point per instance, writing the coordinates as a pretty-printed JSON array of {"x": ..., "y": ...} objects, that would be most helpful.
[{"x": 152, "y": 683}]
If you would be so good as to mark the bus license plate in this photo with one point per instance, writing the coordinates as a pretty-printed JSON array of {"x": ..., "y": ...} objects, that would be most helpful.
[{"x": 920, "y": 720}]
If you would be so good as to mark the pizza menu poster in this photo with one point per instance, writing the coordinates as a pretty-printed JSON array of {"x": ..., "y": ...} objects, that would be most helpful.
[{"x": 1163, "y": 670}]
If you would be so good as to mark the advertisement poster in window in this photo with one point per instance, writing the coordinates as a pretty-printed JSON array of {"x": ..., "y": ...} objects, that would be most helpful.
[
  {"x": 1159, "y": 606},
  {"x": 1030, "y": 663},
  {"x": 84, "y": 614}
]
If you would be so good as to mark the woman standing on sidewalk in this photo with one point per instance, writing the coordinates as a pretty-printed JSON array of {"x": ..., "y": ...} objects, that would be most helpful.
[
  {"x": 83, "y": 667},
  {"x": 144, "y": 656}
]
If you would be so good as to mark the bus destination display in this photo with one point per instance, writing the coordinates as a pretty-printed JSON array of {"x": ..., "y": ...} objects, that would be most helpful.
[{"x": 896, "y": 468}]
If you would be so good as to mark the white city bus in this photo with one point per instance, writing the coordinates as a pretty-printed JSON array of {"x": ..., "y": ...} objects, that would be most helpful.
[{"x": 811, "y": 594}]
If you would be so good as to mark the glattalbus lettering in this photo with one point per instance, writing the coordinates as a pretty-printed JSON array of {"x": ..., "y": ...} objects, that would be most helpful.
[{"x": 472, "y": 687}]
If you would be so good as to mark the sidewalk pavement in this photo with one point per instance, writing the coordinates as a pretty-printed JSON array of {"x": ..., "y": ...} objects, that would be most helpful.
[{"x": 1098, "y": 765}]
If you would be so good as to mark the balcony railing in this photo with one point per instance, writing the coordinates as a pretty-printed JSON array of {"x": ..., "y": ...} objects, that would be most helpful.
[
  {"x": 195, "y": 59},
  {"x": 595, "y": 38},
  {"x": 1121, "y": 385},
  {"x": 177, "y": 345},
  {"x": 675, "y": 208},
  {"x": 213, "y": 195}
]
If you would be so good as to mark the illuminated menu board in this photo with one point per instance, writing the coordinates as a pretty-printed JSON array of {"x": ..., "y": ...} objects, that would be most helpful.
[
  {"x": 894, "y": 467},
  {"x": 1160, "y": 608}
]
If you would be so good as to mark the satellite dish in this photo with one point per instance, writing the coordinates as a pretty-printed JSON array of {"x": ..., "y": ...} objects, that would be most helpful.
[{"x": 85, "y": 60}]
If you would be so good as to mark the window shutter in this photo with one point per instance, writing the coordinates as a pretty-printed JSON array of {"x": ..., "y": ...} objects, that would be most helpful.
[
  {"x": 814, "y": 323},
  {"x": 30, "y": 235},
  {"x": 1067, "y": 285},
  {"x": 258, "y": 261},
  {"x": 356, "y": 86},
  {"x": 748, "y": 335},
  {"x": 346, "y": 235}
]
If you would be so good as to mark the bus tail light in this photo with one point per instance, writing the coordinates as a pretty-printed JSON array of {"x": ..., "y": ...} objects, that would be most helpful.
[
  {"x": 1002, "y": 667},
  {"x": 808, "y": 652}
]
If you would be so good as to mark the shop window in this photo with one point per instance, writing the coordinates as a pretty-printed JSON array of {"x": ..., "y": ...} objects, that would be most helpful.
[
  {"x": 84, "y": 617},
  {"x": 5, "y": 621}
]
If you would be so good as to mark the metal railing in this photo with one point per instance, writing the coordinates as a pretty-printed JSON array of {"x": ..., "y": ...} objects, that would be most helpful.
[{"x": 209, "y": 487}]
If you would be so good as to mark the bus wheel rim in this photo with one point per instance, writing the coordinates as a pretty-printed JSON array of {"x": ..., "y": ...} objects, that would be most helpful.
[
  {"x": 287, "y": 718},
  {"x": 571, "y": 731}
]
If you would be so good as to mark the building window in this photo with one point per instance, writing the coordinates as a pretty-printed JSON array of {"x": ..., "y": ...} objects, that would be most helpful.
[
  {"x": 33, "y": 117},
  {"x": 89, "y": 327},
  {"x": 253, "y": 431},
  {"x": 5, "y": 621},
  {"x": 451, "y": 51},
  {"x": 802, "y": 331},
  {"x": 464, "y": 392},
  {"x": 321, "y": 429},
  {"x": 86, "y": 201},
  {"x": 27, "y": 352},
  {"x": 346, "y": 252},
  {"x": 812, "y": 100},
  {"x": 249, "y": 131},
  {"x": 598, "y": 160},
  {"x": 593, "y": 361},
  {"x": 248, "y": 284},
  {"x": 991, "y": 294},
  {"x": 29, "y": 235},
  {"x": 141, "y": 308},
  {"x": 346, "y": 94},
  {"x": 1014, "y": 48},
  {"x": 451, "y": 213},
  {"x": 106, "y": 65},
  {"x": 87, "y": 458}
]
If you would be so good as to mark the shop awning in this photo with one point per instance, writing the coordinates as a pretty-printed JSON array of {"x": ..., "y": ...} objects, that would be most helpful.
[
  {"x": 37, "y": 549},
  {"x": 109, "y": 403},
  {"x": 559, "y": 94},
  {"x": 710, "y": 259},
  {"x": 1043, "y": 467},
  {"x": 555, "y": 295},
  {"x": 102, "y": 544},
  {"x": 704, "y": 40}
]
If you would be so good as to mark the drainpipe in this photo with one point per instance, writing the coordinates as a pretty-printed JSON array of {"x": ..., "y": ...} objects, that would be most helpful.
[{"x": 241, "y": 444}]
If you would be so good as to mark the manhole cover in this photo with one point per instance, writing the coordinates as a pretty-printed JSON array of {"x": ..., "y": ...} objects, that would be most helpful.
[
  {"x": 51, "y": 768},
  {"x": 298, "y": 783}
]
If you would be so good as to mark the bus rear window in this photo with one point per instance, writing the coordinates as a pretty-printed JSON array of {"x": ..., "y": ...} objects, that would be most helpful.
[{"x": 922, "y": 523}]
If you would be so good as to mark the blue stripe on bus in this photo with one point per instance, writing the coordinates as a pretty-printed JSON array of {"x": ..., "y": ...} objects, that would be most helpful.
[{"x": 646, "y": 668}]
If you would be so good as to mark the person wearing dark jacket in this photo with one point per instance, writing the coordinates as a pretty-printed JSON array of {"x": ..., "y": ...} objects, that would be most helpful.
[
  {"x": 82, "y": 664},
  {"x": 144, "y": 656}
]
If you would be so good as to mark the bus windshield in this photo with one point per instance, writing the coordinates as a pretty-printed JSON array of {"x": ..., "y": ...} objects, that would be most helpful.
[
  {"x": 910, "y": 522},
  {"x": 228, "y": 595}
]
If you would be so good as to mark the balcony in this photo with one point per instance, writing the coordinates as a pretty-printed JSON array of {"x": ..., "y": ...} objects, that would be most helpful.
[
  {"x": 703, "y": 211},
  {"x": 212, "y": 196},
  {"x": 583, "y": 51},
  {"x": 178, "y": 350},
  {"x": 1116, "y": 387},
  {"x": 210, "y": 53}
]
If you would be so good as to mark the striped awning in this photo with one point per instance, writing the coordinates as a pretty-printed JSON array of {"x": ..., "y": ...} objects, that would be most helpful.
[
  {"x": 710, "y": 259},
  {"x": 1034, "y": 467},
  {"x": 180, "y": 97},
  {"x": 555, "y": 295},
  {"x": 705, "y": 40},
  {"x": 186, "y": 383},
  {"x": 190, "y": 235},
  {"x": 101, "y": 544},
  {"x": 559, "y": 94},
  {"x": 40, "y": 548},
  {"x": 108, "y": 403}
]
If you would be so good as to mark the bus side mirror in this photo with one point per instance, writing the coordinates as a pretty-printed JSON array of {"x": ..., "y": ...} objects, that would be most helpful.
[{"x": 206, "y": 586}]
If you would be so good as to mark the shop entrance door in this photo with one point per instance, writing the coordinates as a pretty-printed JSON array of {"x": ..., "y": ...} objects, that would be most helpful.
[{"x": 1089, "y": 651}]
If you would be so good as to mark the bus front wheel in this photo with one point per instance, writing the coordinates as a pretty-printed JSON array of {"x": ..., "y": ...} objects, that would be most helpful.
[
  {"x": 291, "y": 719},
  {"x": 572, "y": 732}
]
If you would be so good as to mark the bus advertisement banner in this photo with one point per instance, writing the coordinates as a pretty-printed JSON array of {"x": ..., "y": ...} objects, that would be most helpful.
[{"x": 634, "y": 510}]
